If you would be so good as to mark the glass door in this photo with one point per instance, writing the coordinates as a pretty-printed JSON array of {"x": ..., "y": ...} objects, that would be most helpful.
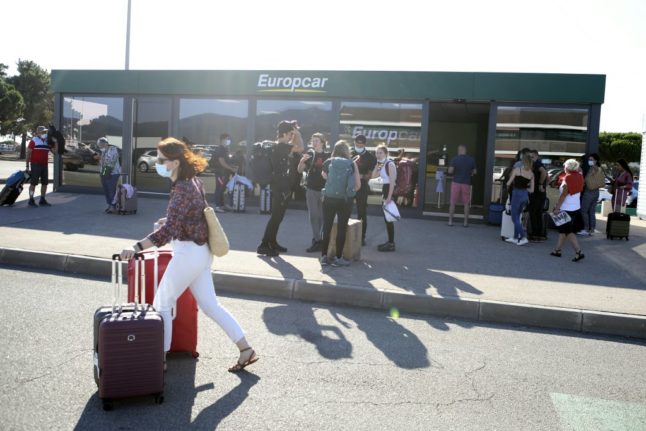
[{"x": 151, "y": 123}]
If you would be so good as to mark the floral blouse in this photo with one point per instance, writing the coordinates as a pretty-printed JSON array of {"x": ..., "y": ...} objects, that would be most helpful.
[{"x": 184, "y": 216}]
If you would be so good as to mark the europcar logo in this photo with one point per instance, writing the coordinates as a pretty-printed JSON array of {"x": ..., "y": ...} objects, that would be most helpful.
[{"x": 291, "y": 84}]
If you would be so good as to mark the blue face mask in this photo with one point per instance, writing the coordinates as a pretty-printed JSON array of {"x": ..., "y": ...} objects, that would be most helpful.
[{"x": 163, "y": 171}]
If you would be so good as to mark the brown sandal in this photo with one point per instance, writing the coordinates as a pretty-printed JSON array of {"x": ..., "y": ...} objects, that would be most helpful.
[{"x": 239, "y": 367}]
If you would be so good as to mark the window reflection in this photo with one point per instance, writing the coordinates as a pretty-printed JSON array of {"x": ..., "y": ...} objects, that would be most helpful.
[
  {"x": 152, "y": 123},
  {"x": 398, "y": 125},
  {"x": 313, "y": 117},
  {"x": 85, "y": 119}
]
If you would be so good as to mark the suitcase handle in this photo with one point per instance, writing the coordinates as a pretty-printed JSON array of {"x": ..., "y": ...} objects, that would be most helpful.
[
  {"x": 141, "y": 256},
  {"x": 117, "y": 279},
  {"x": 140, "y": 281}
]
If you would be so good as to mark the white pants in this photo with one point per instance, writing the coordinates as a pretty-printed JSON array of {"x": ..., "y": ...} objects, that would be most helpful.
[{"x": 191, "y": 267}]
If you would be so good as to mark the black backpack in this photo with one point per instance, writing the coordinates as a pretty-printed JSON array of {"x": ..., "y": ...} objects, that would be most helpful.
[
  {"x": 261, "y": 162},
  {"x": 55, "y": 137}
]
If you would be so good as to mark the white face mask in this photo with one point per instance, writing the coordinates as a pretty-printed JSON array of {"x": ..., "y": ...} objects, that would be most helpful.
[
  {"x": 591, "y": 163},
  {"x": 227, "y": 142},
  {"x": 163, "y": 171},
  {"x": 43, "y": 136},
  {"x": 359, "y": 150},
  {"x": 381, "y": 159}
]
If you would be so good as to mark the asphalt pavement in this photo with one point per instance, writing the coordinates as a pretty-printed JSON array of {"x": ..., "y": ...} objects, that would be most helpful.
[{"x": 321, "y": 367}]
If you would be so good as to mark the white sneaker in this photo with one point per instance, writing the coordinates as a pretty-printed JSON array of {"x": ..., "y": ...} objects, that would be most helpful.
[
  {"x": 218, "y": 210},
  {"x": 511, "y": 240},
  {"x": 522, "y": 241},
  {"x": 583, "y": 233}
]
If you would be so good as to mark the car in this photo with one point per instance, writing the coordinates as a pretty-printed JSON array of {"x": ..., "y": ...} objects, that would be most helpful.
[
  {"x": 147, "y": 161},
  {"x": 72, "y": 161},
  {"x": 604, "y": 195},
  {"x": 631, "y": 200},
  {"x": 86, "y": 153}
]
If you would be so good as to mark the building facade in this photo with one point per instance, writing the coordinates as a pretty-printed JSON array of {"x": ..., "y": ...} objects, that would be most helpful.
[{"x": 421, "y": 116}]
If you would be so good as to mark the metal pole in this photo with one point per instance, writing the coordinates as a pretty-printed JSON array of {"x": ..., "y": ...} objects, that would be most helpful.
[{"x": 128, "y": 39}]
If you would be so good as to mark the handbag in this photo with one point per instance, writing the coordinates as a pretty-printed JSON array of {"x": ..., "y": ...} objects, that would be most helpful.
[
  {"x": 391, "y": 212},
  {"x": 107, "y": 170},
  {"x": 218, "y": 241},
  {"x": 560, "y": 218}
]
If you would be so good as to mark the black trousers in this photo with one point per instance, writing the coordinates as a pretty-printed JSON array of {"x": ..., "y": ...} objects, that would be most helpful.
[
  {"x": 362, "y": 206},
  {"x": 279, "y": 202},
  {"x": 536, "y": 202},
  {"x": 341, "y": 208},
  {"x": 390, "y": 226}
]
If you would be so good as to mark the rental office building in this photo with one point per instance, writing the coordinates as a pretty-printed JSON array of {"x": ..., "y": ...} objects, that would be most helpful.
[{"x": 422, "y": 116}]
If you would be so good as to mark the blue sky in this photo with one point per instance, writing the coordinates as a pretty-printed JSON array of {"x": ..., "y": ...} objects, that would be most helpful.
[{"x": 567, "y": 36}]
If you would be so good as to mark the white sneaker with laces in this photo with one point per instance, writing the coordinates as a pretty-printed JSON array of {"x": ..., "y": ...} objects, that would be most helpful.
[
  {"x": 512, "y": 240},
  {"x": 522, "y": 241},
  {"x": 583, "y": 233}
]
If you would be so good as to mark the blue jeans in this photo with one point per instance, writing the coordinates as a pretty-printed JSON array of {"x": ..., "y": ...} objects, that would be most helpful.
[
  {"x": 220, "y": 188},
  {"x": 519, "y": 200},
  {"x": 589, "y": 209},
  {"x": 109, "y": 183}
]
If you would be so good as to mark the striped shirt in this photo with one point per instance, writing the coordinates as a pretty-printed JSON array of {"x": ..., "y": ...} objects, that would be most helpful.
[{"x": 39, "y": 151}]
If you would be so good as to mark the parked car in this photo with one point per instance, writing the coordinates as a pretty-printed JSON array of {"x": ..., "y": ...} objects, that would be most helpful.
[
  {"x": 7, "y": 147},
  {"x": 86, "y": 153},
  {"x": 631, "y": 200},
  {"x": 604, "y": 195},
  {"x": 72, "y": 161},
  {"x": 147, "y": 161}
]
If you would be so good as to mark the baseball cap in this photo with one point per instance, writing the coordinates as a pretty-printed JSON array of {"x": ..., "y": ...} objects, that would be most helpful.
[
  {"x": 41, "y": 129},
  {"x": 286, "y": 127},
  {"x": 101, "y": 140},
  {"x": 361, "y": 139}
]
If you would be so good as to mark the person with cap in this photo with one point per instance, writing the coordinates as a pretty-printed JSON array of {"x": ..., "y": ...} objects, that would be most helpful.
[
  {"x": 289, "y": 142},
  {"x": 223, "y": 170},
  {"x": 109, "y": 171},
  {"x": 366, "y": 162},
  {"x": 37, "y": 165}
]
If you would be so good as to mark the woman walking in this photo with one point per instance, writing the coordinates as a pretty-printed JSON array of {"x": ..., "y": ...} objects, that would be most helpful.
[
  {"x": 185, "y": 228},
  {"x": 341, "y": 184},
  {"x": 522, "y": 183},
  {"x": 387, "y": 170},
  {"x": 570, "y": 202},
  {"x": 594, "y": 180},
  {"x": 312, "y": 163}
]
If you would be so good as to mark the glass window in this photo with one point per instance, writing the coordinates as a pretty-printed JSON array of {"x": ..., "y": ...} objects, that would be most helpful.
[
  {"x": 85, "y": 119},
  {"x": 202, "y": 121},
  {"x": 398, "y": 125},
  {"x": 151, "y": 124},
  {"x": 557, "y": 134},
  {"x": 312, "y": 116}
]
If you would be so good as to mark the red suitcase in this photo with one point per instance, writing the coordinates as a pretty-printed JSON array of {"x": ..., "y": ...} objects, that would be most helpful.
[
  {"x": 128, "y": 349},
  {"x": 185, "y": 311}
]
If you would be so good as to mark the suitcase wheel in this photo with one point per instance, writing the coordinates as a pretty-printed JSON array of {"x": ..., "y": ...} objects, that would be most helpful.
[
  {"x": 195, "y": 355},
  {"x": 107, "y": 405},
  {"x": 159, "y": 398}
]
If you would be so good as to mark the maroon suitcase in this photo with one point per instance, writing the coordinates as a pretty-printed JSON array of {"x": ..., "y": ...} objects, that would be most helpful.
[{"x": 129, "y": 351}]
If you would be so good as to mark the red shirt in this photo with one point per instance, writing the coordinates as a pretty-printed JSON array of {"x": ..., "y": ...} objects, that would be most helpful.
[
  {"x": 574, "y": 181},
  {"x": 39, "y": 151}
]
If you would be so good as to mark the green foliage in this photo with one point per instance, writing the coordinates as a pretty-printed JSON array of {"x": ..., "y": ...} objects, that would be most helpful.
[
  {"x": 615, "y": 146},
  {"x": 12, "y": 106},
  {"x": 32, "y": 82}
]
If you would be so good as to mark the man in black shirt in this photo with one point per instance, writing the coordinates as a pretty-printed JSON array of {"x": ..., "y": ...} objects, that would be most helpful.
[
  {"x": 537, "y": 199},
  {"x": 366, "y": 162},
  {"x": 289, "y": 142},
  {"x": 222, "y": 169}
]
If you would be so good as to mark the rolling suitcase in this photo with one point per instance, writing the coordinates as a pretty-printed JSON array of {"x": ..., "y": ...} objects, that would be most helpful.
[
  {"x": 238, "y": 198},
  {"x": 125, "y": 199},
  {"x": 618, "y": 224},
  {"x": 128, "y": 348},
  {"x": 506, "y": 224},
  {"x": 13, "y": 187},
  {"x": 265, "y": 199},
  {"x": 152, "y": 265}
]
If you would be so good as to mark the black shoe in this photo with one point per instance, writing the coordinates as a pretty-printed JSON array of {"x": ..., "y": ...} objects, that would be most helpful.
[
  {"x": 316, "y": 246},
  {"x": 387, "y": 246},
  {"x": 278, "y": 247},
  {"x": 32, "y": 202},
  {"x": 264, "y": 249},
  {"x": 44, "y": 203}
]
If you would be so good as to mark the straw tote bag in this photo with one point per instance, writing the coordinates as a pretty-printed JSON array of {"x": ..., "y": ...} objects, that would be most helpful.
[{"x": 218, "y": 241}]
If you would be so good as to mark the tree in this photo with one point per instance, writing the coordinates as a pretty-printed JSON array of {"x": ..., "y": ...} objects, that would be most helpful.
[
  {"x": 32, "y": 82},
  {"x": 12, "y": 105},
  {"x": 615, "y": 146}
]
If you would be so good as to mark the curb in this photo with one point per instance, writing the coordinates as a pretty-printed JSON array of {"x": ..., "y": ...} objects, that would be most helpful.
[{"x": 579, "y": 320}]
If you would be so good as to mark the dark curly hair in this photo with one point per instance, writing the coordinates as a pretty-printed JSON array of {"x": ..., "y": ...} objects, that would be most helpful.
[{"x": 190, "y": 164}]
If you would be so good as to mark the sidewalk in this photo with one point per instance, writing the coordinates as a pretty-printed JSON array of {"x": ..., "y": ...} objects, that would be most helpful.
[{"x": 435, "y": 268}]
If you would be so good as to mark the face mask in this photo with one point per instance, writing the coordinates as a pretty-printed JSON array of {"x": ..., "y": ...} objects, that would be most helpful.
[
  {"x": 381, "y": 159},
  {"x": 227, "y": 142},
  {"x": 590, "y": 162},
  {"x": 359, "y": 150},
  {"x": 43, "y": 136},
  {"x": 163, "y": 171}
]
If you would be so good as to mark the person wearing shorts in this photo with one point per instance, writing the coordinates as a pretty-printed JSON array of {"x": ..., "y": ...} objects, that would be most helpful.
[
  {"x": 37, "y": 165},
  {"x": 462, "y": 167}
]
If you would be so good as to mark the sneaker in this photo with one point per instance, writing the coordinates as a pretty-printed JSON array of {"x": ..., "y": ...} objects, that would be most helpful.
[
  {"x": 279, "y": 247},
  {"x": 43, "y": 203},
  {"x": 32, "y": 202},
  {"x": 324, "y": 260},
  {"x": 583, "y": 233},
  {"x": 511, "y": 240},
  {"x": 265, "y": 250},
  {"x": 228, "y": 207},
  {"x": 591, "y": 232},
  {"x": 387, "y": 246},
  {"x": 316, "y": 246},
  {"x": 522, "y": 241},
  {"x": 340, "y": 261},
  {"x": 218, "y": 209}
]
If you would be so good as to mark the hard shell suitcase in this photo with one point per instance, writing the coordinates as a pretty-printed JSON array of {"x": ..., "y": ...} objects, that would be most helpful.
[
  {"x": 506, "y": 224},
  {"x": 129, "y": 349},
  {"x": 13, "y": 187},
  {"x": 618, "y": 223},
  {"x": 265, "y": 199},
  {"x": 185, "y": 311},
  {"x": 495, "y": 213},
  {"x": 238, "y": 198}
]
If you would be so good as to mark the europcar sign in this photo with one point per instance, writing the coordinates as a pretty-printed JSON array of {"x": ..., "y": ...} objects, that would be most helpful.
[{"x": 291, "y": 84}]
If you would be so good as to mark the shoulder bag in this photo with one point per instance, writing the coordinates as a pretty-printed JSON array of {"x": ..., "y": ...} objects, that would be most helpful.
[{"x": 218, "y": 241}]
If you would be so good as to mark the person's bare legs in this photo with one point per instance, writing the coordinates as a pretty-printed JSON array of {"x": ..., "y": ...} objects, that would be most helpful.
[
  {"x": 467, "y": 207},
  {"x": 451, "y": 212}
]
